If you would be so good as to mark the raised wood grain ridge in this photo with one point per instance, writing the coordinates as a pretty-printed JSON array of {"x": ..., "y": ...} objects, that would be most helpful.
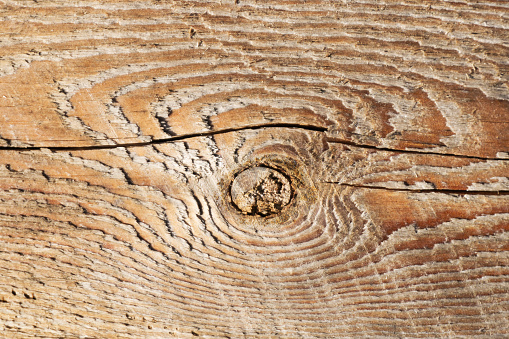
[{"x": 254, "y": 169}]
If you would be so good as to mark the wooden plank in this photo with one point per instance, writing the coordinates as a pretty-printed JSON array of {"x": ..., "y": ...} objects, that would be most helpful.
[
  {"x": 397, "y": 75},
  {"x": 143, "y": 241},
  {"x": 254, "y": 169}
]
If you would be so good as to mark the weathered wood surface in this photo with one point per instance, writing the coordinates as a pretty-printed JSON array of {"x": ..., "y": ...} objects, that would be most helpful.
[{"x": 124, "y": 123}]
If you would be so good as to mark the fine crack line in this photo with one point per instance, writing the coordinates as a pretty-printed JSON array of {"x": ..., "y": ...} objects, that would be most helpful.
[
  {"x": 444, "y": 191},
  {"x": 351, "y": 143},
  {"x": 166, "y": 140},
  {"x": 228, "y": 130}
]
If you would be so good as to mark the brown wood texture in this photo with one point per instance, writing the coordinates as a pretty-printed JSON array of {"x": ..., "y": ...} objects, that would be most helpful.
[{"x": 367, "y": 144}]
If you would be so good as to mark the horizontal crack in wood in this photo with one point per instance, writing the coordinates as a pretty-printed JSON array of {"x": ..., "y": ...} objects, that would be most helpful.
[
  {"x": 171, "y": 139},
  {"x": 228, "y": 130},
  {"x": 459, "y": 192},
  {"x": 350, "y": 143}
]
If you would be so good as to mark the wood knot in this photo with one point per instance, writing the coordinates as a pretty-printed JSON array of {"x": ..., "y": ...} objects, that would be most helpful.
[{"x": 260, "y": 191}]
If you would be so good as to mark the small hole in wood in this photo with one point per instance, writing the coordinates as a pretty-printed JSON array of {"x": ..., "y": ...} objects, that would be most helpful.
[{"x": 260, "y": 191}]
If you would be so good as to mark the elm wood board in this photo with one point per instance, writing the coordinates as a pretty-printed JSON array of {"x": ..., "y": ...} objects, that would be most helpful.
[{"x": 124, "y": 123}]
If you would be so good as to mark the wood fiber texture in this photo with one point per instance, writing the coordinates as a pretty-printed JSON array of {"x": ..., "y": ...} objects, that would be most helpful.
[{"x": 384, "y": 127}]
